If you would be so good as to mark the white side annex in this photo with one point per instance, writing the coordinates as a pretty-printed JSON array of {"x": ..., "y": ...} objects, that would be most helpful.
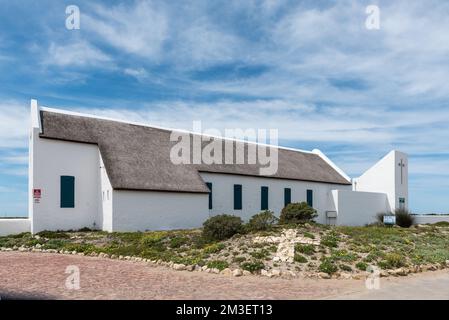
[{"x": 70, "y": 187}]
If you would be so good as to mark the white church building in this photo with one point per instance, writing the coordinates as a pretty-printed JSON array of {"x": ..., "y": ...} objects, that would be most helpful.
[{"x": 88, "y": 171}]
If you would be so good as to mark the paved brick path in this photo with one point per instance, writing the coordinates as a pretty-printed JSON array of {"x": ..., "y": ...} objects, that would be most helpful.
[{"x": 42, "y": 275}]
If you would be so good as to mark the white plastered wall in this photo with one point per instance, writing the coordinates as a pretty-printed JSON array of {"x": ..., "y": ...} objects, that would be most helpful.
[
  {"x": 385, "y": 177},
  {"x": 358, "y": 208},
  {"x": 157, "y": 210},
  {"x": 52, "y": 159},
  {"x": 223, "y": 194}
]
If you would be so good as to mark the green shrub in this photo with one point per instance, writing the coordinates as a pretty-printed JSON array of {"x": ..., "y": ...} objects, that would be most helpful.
[
  {"x": 361, "y": 266},
  {"x": 308, "y": 249},
  {"x": 343, "y": 255},
  {"x": 309, "y": 235},
  {"x": 80, "y": 247},
  {"x": 150, "y": 239},
  {"x": 253, "y": 266},
  {"x": 394, "y": 260},
  {"x": 214, "y": 248},
  {"x": 403, "y": 218},
  {"x": 345, "y": 267},
  {"x": 217, "y": 264},
  {"x": 262, "y": 221},
  {"x": 260, "y": 254},
  {"x": 53, "y": 234},
  {"x": 239, "y": 259},
  {"x": 56, "y": 244},
  {"x": 297, "y": 213},
  {"x": 442, "y": 224},
  {"x": 299, "y": 258},
  {"x": 178, "y": 241},
  {"x": 221, "y": 227},
  {"x": 330, "y": 240},
  {"x": 328, "y": 266}
]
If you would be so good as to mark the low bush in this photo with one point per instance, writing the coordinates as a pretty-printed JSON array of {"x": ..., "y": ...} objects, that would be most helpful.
[
  {"x": 262, "y": 221},
  {"x": 307, "y": 249},
  {"x": 153, "y": 238},
  {"x": 239, "y": 259},
  {"x": 403, "y": 218},
  {"x": 345, "y": 267},
  {"x": 53, "y": 234},
  {"x": 253, "y": 266},
  {"x": 330, "y": 240},
  {"x": 217, "y": 264},
  {"x": 178, "y": 241},
  {"x": 299, "y": 258},
  {"x": 361, "y": 266},
  {"x": 328, "y": 266},
  {"x": 260, "y": 254},
  {"x": 222, "y": 227},
  {"x": 295, "y": 213},
  {"x": 214, "y": 248}
]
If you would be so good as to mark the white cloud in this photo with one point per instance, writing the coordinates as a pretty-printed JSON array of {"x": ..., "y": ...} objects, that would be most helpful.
[
  {"x": 78, "y": 53},
  {"x": 14, "y": 124},
  {"x": 139, "y": 74},
  {"x": 140, "y": 29}
]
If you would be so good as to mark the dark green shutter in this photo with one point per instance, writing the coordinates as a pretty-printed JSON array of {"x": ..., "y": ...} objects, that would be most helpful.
[
  {"x": 310, "y": 198},
  {"x": 237, "y": 197},
  {"x": 287, "y": 196},
  {"x": 67, "y": 192},
  {"x": 209, "y": 185},
  {"x": 264, "y": 198}
]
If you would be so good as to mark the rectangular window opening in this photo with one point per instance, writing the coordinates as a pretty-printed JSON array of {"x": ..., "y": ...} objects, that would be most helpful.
[
  {"x": 67, "y": 192},
  {"x": 264, "y": 198},
  {"x": 237, "y": 197},
  {"x": 287, "y": 196},
  {"x": 310, "y": 198},
  {"x": 209, "y": 185}
]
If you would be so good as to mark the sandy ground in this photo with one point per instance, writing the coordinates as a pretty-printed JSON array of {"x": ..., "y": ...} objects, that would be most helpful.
[{"x": 43, "y": 276}]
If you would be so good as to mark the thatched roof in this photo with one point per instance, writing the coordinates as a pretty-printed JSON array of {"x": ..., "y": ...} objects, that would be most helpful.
[{"x": 137, "y": 157}]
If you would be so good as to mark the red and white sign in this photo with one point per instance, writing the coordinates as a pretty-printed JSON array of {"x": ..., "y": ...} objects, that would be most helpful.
[{"x": 37, "y": 194}]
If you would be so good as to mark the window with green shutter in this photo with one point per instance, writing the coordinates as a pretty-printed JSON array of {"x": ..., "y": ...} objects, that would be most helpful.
[
  {"x": 237, "y": 197},
  {"x": 67, "y": 192},
  {"x": 264, "y": 198},
  {"x": 310, "y": 198},
  {"x": 209, "y": 185},
  {"x": 287, "y": 196}
]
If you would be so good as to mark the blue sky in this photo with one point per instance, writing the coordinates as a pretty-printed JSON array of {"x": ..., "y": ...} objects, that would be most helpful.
[{"x": 308, "y": 68}]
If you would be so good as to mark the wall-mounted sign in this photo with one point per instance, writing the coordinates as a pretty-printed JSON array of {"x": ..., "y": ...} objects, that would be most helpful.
[
  {"x": 37, "y": 194},
  {"x": 390, "y": 220}
]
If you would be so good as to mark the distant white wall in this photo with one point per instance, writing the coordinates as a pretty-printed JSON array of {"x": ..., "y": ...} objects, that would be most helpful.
[
  {"x": 223, "y": 194},
  {"x": 154, "y": 210},
  {"x": 52, "y": 159},
  {"x": 424, "y": 219},
  {"x": 14, "y": 226},
  {"x": 386, "y": 177},
  {"x": 358, "y": 208}
]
